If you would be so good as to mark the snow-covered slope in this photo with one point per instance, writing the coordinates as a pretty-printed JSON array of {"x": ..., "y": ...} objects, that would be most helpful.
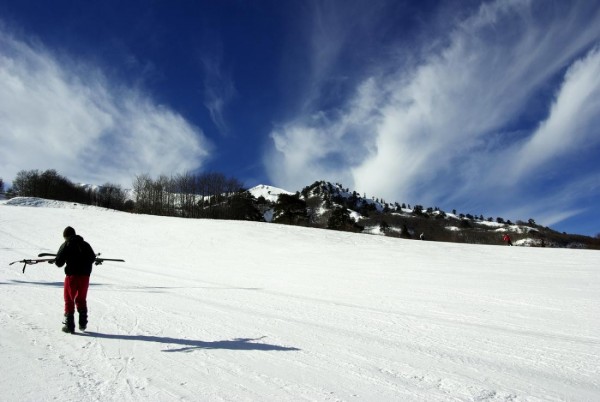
[
  {"x": 41, "y": 202},
  {"x": 270, "y": 193},
  {"x": 222, "y": 310}
]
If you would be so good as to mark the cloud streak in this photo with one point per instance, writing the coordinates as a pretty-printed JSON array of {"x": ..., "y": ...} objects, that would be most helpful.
[
  {"x": 59, "y": 113},
  {"x": 218, "y": 86},
  {"x": 573, "y": 122},
  {"x": 509, "y": 92}
]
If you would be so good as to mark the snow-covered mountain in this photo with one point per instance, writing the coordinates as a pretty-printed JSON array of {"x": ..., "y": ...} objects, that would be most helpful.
[
  {"x": 378, "y": 217},
  {"x": 269, "y": 193},
  {"x": 217, "y": 310},
  {"x": 326, "y": 205}
]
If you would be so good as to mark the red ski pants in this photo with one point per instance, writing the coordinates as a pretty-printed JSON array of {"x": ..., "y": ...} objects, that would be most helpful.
[{"x": 76, "y": 288}]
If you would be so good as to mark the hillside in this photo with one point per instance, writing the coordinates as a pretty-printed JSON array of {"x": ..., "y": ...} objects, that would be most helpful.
[
  {"x": 269, "y": 193},
  {"x": 373, "y": 216},
  {"x": 320, "y": 205},
  {"x": 228, "y": 310}
]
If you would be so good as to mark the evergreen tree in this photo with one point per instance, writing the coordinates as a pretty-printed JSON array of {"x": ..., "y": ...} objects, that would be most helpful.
[
  {"x": 384, "y": 227},
  {"x": 262, "y": 200},
  {"x": 340, "y": 219},
  {"x": 243, "y": 207},
  {"x": 290, "y": 209},
  {"x": 418, "y": 210}
]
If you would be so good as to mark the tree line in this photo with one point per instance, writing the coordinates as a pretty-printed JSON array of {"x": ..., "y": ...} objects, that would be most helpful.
[
  {"x": 212, "y": 195},
  {"x": 207, "y": 195},
  {"x": 51, "y": 185},
  {"x": 48, "y": 184}
]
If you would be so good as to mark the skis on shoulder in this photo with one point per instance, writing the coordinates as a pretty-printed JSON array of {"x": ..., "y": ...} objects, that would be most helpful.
[
  {"x": 51, "y": 258},
  {"x": 97, "y": 261}
]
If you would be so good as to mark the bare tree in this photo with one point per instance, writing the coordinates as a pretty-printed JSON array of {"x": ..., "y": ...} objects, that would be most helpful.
[
  {"x": 25, "y": 183},
  {"x": 186, "y": 190},
  {"x": 111, "y": 196},
  {"x": 141, "y": 189},
  {"x": 199, "y": 196}
]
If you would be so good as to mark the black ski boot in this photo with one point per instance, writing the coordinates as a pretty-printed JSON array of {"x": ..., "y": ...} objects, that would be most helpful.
[
  {"x": 83, "y": 319},
  {"x": 69, "y": 322}
]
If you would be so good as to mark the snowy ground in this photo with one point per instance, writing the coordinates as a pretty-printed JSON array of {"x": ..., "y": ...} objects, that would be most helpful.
[{"x": 213, "y": 310}]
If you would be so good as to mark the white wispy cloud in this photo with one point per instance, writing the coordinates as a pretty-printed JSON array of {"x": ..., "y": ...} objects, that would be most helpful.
[
  {"x": 219, "y": 89},
  {"x": 59, "y": 113},
  {"x": 448, "y": 129},
  {"x": 323, "y": 147},
  {"x": 574, "y": 120}
]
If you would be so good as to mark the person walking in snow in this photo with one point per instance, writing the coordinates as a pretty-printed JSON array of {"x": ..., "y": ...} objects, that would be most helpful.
[
  {"x": 78, "y": 256},
  {"x": 507, "y": 240}
]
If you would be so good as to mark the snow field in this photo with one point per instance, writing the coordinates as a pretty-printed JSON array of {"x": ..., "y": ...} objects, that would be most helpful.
[{"x": 224, "y": 311}]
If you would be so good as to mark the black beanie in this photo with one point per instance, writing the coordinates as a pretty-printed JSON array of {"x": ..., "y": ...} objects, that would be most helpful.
[{"x": 68, "y": 232}]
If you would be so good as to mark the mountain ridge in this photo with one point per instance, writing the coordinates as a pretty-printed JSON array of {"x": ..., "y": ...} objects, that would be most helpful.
[{"x": 377, "y": 217}]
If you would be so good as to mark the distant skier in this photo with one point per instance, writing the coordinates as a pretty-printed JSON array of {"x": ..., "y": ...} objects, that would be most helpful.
[
  {"x": 422, "y": 236},
  {"x": 507, "y": 240},
  {"x": 79, "y": 257}
]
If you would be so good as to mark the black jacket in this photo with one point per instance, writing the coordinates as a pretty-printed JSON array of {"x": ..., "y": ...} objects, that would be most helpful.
[{"x": 77, "y": 254}]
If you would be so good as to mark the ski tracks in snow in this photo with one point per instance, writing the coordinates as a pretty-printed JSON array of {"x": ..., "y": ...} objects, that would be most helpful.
[
  {"x": 229, "y": 311},
  {"x": 333, "y": 330}
]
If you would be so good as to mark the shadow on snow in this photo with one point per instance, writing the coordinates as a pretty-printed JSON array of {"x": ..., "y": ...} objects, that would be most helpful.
[
  {"x": 18, "y": 282},
  {"x": 117, "y": 288},
  {"x": 190, "y": 345}
]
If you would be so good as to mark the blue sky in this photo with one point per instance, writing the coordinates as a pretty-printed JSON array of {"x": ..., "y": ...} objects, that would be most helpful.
[{"x": 490, "y": 108}]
